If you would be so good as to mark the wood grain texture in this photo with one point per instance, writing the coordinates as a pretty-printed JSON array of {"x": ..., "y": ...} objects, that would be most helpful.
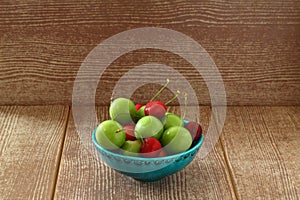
[
  {"x": 30, "y": 144},
  {"x": 262, "y": 149},
  {"x": 81, "y": 176},
  {"x": 254, "y": 44}
]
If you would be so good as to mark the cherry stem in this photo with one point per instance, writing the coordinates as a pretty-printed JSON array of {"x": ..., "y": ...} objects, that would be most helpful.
[
  {"x": 185, "y": 105},
  {"x": 111, "y": 98},
  {"x": 168, "y": 109},
  {"x": 161, "y": 89},
  {"x": 197, "y": 119},
  {"x": 178, "y": 92}
]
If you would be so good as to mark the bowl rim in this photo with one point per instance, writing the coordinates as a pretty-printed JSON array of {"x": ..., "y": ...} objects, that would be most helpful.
[{"x": 173, "y": 156}]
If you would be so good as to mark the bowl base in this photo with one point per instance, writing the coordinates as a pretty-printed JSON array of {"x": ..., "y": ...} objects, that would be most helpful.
[{"x": 143, "y": 177}]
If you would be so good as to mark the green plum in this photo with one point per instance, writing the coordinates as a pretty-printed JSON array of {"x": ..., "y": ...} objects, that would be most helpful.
[
  {"x": 109, "y": 134},
  {"x": 140, "y": 113},
  {"x": 171, "y": 120},
  {"x": 122, "y": 110},
  {"x": 131, "y": 148},
  {"x": 176, "y": 139},
  {"x": 148, "y": 126}
]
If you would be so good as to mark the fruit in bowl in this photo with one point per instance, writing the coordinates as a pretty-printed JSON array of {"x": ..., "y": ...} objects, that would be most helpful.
[
  {"x": 147, "y": 169},
  {"x": 109, "y": 135},
  {"x": 145, "y": 141}
]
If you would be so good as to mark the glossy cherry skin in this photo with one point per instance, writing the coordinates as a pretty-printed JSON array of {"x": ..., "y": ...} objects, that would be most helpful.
[
  {"x": 158, "y": 102},
  {"x": 155, "y": 108},
  {"x": 129, "y": 130},
  {"x": 150, "y": 147},
  {"x": 195, "y": 129}
]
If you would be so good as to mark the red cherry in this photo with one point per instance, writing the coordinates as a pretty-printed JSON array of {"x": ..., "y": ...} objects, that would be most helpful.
[
  {"x": 138, "y": 106},
  {"x": 150, "y": 147},
  {"x": 162, "y": 153},
  {"x": 129, "y": 130},
  {"x": 195, "y": 129},
  {"x": 155, "y": 109}
]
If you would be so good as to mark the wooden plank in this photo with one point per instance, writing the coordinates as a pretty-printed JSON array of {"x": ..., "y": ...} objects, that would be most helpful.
[
  {"x": 255, "y": 46},
  {"x": 82, "y": 177},
  {"x": 262, "y": 148},
  {"x": 30, "y": 147}
]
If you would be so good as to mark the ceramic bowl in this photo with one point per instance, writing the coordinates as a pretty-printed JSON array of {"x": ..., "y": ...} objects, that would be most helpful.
[{"x": 147, "y": 169}]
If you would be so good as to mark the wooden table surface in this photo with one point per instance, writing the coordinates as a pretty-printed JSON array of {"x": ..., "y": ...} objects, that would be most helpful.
[{"x": 257, "y": 156}]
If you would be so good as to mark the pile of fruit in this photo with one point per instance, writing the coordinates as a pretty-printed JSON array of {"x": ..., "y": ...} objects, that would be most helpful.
[{"x": 146, "y": 130}]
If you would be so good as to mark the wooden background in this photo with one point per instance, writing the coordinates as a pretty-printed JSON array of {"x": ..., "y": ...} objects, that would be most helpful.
[{"x": 255, "y": 45}]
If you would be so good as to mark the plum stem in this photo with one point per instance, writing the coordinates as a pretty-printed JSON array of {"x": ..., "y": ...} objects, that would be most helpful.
[
  {"x": 140, "y": 137},
  {"x": 161, "y": 89},
  {"x": 142, "y": 140}
]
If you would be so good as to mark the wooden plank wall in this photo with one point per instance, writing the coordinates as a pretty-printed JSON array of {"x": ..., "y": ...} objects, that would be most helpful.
[{"x": 255, "y": 45}]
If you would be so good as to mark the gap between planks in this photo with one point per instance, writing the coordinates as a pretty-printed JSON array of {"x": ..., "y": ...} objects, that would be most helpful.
[
  {"x": 235, "y": 191},
  {"x": 60, "y": 154},
  {"x": 271, "y": 172},
  {"x": 30, "y": 142}
]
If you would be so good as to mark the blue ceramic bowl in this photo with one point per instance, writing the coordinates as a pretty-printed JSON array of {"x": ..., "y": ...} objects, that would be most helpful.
[{"x": 147, "y": 169}]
